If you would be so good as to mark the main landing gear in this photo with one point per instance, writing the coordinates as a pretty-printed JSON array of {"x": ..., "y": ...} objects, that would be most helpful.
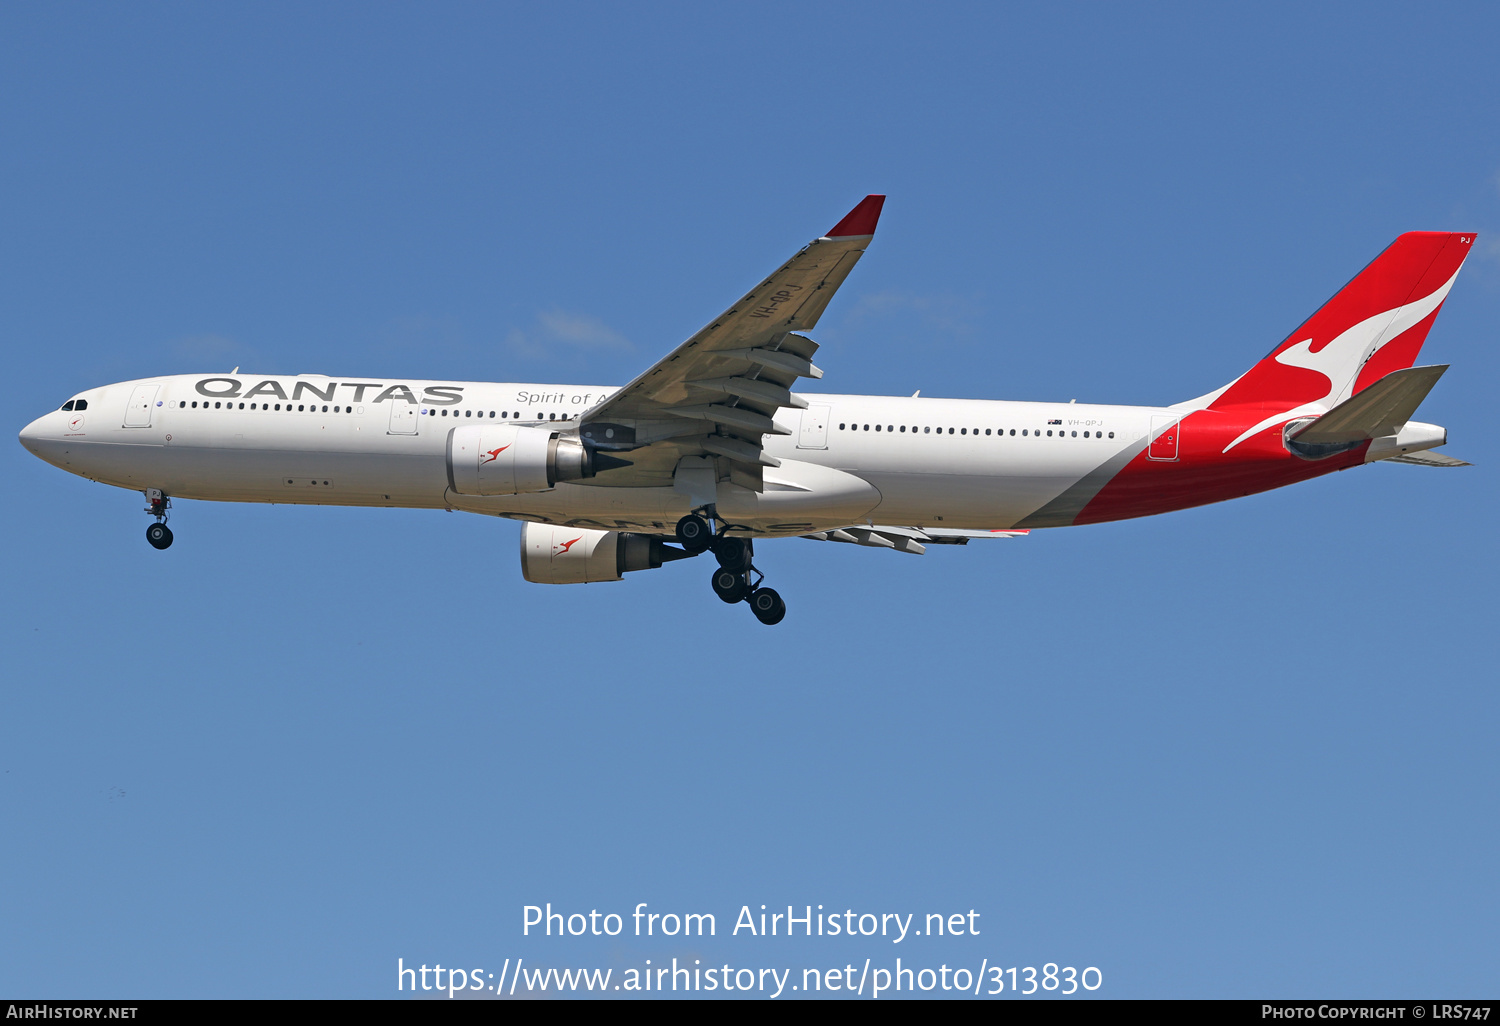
[
  {"x": 736, "y": 579},
  {"x": 158, "y": 534}
]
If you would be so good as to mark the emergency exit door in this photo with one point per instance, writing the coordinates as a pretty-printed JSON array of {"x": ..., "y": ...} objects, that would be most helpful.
[
  {"x": 403, "y": 419},
  {"x": 814, "y": 433}
]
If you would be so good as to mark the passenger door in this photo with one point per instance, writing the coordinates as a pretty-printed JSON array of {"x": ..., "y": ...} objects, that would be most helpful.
[
  {"x": 1164, "y": 432},
  {"x": 138, "y": 410}
]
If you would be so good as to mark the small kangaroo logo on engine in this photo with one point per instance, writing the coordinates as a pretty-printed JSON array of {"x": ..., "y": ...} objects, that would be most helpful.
[{"x": 492, "y": 455}]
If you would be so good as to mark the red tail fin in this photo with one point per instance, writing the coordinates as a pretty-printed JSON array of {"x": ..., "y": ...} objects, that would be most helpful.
[{"x": 1374, "y": 325}]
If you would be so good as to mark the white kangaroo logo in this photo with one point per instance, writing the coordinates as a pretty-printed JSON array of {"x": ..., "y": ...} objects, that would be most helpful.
[{"x": 1340, "y": 360}]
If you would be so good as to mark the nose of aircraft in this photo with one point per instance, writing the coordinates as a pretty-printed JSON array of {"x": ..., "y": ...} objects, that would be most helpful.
[
  {"x": 43, "y": 438},
  {"x": 31, "y": 436}
]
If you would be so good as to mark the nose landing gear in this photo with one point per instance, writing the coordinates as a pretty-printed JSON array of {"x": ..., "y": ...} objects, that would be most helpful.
[
  {"x": 159, "y": 535},
  {"x": 736, "y": 579}
]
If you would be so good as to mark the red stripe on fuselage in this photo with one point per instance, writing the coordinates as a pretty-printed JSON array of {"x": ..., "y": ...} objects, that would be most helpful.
[{"x": 1203, "y": 472}]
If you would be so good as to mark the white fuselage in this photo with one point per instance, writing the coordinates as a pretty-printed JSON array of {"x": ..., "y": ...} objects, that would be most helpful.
[{"x": 373, "y": 442}]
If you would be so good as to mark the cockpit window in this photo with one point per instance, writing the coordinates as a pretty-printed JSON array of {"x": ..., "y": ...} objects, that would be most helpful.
[
  {"x": 75, "y": 405},
  {"x": 67, "y": 407}
]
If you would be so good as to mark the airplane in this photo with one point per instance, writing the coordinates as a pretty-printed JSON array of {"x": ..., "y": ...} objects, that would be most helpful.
[{"x": 711, "y": 450}]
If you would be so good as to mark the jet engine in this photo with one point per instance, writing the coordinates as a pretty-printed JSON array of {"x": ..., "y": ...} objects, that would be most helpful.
[
  {"x": 508, "y": 459},
  {"x": 577, "y": 555}
]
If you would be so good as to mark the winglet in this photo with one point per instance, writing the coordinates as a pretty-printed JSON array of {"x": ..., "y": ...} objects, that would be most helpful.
[{"x": 861, "y": 220}]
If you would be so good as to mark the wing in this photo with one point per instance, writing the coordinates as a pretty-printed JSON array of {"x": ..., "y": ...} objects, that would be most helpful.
[{"x": 717, "y": 393}]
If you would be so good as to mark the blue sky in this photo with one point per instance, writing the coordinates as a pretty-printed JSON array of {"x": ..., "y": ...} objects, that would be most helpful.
[{"x": 1238, "y": 751}]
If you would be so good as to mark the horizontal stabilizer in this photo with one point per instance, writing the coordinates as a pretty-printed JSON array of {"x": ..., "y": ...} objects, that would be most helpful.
[
  {"x": 1381, "y": 409},
  {"x": 1427, "y": 459},
  {"x": 909, "y": 539},
  {"x": 960, "y": 536}
]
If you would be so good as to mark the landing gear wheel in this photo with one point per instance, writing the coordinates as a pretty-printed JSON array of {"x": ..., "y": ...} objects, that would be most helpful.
[
  {"x": 767, "y": 606},
  {"x": 694, "y": 534},
  {"x": 733, "y": 554},
  {"x": 729, "y": 586},
  {"x": 159, "y": 535}
]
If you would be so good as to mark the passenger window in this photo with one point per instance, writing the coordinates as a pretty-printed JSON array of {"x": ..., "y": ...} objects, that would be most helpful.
[
  {"x": 1111, "y": 434},
  {"x": 505, "y": 413},
  {"x": 492, "y": 415},
  {"x": 986, "y": 431},
  {"x": 950, "y": 431},
  {"x": 1013, "y": 432},
  {"x": 903, "y": 429},
  {"x": 877, "y": 427},
  {"x": 1075, "y": 434},
  {"x": 927, "y": 431}
]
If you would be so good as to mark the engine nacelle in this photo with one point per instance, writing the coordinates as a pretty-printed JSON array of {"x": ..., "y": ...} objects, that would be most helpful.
[
  {"x": 578, "y": 555},
  {"x": 508, "y": 459}
]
